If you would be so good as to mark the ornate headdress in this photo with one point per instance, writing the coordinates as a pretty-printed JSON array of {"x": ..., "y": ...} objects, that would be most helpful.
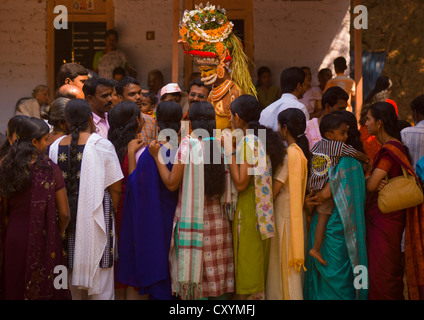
[{"x": 207, "y": 34}]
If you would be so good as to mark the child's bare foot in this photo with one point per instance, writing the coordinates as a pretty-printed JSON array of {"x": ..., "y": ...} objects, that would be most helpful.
[{"x": 317, "y": 255}]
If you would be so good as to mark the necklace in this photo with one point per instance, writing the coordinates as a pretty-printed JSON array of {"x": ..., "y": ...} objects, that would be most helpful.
[{"x": 221, "y": 90}]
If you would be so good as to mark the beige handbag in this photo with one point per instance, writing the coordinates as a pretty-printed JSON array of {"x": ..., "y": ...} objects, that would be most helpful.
[{"x": 400, "y": 193}]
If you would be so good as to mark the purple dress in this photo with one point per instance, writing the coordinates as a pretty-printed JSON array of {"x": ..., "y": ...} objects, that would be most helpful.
[{"x": 33, "y": 245}]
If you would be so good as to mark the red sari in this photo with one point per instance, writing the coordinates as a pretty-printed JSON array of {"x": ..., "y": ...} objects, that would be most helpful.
[
  {"x": 384, "y": 232},
  {"x": 384, "y": 236}
]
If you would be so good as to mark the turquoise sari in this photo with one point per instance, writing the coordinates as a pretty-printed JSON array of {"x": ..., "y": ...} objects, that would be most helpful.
[{"x": 344, "y": 243}]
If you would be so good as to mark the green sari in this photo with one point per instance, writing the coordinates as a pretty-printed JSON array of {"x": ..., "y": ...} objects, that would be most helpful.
[
  {"x": 344, "y": 244},
  {"x": 253, "y": 223}
]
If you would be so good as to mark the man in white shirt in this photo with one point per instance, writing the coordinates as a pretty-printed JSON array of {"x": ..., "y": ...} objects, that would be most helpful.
[
  {"x": 413, "y": 137},
  {"x": 292, "y": 88}
]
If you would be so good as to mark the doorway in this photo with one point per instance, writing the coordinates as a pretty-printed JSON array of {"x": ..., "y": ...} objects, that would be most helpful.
[
  {"x": 88, "y": 21},
  {"x": 78, "y": 43}
]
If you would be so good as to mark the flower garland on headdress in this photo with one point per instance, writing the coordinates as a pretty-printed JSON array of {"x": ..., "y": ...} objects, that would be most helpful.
[{"x": 207, "y": 33}]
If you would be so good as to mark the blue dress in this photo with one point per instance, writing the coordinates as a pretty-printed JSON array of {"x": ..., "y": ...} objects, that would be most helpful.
[{"x": 146, "y": 230}]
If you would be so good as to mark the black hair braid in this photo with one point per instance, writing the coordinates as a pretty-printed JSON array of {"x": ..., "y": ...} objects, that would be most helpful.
[
  {"x": 77, "y": 115},
  {"x": 215, "y": 170},
  {"x": 202, "y": 116},
  {"x": 73, "y": 161},
  {"x": 72, "y": 179}
]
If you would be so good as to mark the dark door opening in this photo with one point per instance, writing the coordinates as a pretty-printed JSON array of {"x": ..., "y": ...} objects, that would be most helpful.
[{"x": 78, "y": 43}]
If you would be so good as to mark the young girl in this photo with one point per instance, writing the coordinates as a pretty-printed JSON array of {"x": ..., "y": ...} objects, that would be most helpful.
[
  {"x": 125, "y": 123},
  {"x": 286, "y": 264},
  {"x": 148, "y": 215},
  {"x": 201, "y": 255},
  {"x": 33, "y": 194},
  {"x": 253, "y": 224},
  {"x": 93, "y": 181}
]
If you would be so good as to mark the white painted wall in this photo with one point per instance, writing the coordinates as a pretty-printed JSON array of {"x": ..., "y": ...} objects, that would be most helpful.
[
  {"x": 22, "y": 52},
  {"x": 132, "y": 20}
]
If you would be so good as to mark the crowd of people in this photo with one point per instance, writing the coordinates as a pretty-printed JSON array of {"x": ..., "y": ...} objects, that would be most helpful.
[{"x": 110, "y": 179}]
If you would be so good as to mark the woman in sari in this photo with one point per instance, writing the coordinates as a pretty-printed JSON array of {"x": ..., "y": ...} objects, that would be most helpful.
[
  {"x": 34, "y": 202},
  {"x": 344, "y": 244},
  {"x": 124, "y": 125},
  {"x": 251, "y": 170},
  {"x": 287, "y": 254},
  {"x": 147, "y": 217},
  {"x": 384, "y": 231},
  {"x": 93, "y": 176},
  {"x": 201, "y": 253}
]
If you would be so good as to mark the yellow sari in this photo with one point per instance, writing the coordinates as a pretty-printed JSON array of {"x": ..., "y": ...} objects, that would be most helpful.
[{"x": 287, "y": 249}]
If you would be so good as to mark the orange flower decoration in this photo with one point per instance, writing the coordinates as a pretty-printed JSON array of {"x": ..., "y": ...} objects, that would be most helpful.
[
  {"x": 183, "y": 32},
  {"x": 219, "y": 48},
  {"x": 194, "y": 37}
]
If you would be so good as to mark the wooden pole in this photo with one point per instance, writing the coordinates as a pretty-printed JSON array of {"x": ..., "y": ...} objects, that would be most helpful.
[
  {"x": 357, "y": 35},
  {"x": 175, "y": 46}
]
